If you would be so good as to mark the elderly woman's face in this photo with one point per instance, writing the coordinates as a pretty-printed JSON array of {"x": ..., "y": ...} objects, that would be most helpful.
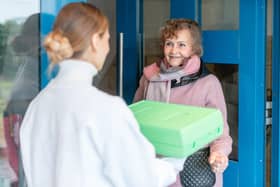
[{"x": 177, "y": 49}]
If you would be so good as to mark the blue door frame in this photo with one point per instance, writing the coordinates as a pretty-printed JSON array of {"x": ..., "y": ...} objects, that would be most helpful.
[
  {"x": 275, "y": 162},
  {"x": 128, "y": 23},
  {"x": 246, "y": 48}
]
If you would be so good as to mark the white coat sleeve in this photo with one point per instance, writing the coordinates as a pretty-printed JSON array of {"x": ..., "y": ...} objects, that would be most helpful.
[{"x": 130, "y": 159}]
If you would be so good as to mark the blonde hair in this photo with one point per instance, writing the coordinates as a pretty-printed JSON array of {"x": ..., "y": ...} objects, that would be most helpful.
[
  {"x": 72, "y": 31},
  {"x": 172, "y": 26}
]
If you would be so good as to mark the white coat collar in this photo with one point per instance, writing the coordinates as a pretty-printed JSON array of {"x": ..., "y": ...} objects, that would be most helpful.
[{"x": 76, "y": 70}]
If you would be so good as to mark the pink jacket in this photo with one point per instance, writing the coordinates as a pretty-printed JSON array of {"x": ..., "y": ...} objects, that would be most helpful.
[{"x": 204, "y": 92}]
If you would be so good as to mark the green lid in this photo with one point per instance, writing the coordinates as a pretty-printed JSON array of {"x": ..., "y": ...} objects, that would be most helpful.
[{"x": 177, "y": 130}]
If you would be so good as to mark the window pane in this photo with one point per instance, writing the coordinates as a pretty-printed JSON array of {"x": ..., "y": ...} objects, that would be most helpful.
[
  {"x": 220, "y": 14},
  {"x": 152, "y": 23},
  {"x": 19, "y": 56}
]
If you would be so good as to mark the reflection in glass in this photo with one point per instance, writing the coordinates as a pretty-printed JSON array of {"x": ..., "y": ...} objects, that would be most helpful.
[
  {"x": 19, "y": 76},
  {"x": 220, "y": 14},
  {"x": 25, "y": 53},
  {"x": 228, "y": 75}
]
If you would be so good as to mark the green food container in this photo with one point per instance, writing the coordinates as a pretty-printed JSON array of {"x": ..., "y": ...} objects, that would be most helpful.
[{"x": 177, "y": 130}]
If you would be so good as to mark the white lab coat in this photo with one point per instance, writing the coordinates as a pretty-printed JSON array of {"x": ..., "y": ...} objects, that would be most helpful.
[{"x": 74, "y": 135}]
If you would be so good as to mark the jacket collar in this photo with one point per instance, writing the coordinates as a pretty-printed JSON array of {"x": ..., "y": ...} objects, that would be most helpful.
[{"x": 76, "y": 70}]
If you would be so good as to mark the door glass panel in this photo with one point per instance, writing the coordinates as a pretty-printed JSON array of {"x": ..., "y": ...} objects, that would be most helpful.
[
  {"x": 228, "y": 75},
  {"x": 19, "y": 69},
  {"x": 220, "y": 14},
  {"x": 151, "y": 26},
  {"x": 106, "y": 79}
]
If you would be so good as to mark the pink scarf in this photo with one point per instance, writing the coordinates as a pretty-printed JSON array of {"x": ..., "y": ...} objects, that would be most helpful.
[{"x": 159, "y": 78}]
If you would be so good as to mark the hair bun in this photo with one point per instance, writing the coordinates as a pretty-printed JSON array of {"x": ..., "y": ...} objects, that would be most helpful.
[{"x": 58, "y": 47}]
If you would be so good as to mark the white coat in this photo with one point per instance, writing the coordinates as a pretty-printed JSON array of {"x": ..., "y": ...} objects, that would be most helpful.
[{"x": 74, "y": 135}]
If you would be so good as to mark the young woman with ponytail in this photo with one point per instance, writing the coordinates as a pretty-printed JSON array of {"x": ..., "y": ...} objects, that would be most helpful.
[{"x": 74, "y": 135}]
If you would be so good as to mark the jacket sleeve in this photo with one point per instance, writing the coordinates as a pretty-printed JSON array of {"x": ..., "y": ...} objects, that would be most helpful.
[
  {"x": 140, "y": 92},
  {"x": 215, "y": 98},
  {"x": 130, "y": 159}
]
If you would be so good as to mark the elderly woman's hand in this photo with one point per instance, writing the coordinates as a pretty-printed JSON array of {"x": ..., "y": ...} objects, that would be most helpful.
[{"x": 218, "y": 162}]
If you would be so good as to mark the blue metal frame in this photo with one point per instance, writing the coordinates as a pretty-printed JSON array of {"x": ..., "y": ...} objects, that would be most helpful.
[
  {"x": 231, "y": 175},
  {"x": 128, "y": 18},
  {"x": 245, "y": 47},
  {"x": 183, "y": 9},
  {"x": 252, "y": 93},
  {"x": 275, "y": 163},
  {"x": 226, "y": 49}
]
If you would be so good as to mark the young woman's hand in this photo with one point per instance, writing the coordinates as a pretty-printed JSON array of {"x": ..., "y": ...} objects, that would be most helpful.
[{"x": 218, "y": 162}]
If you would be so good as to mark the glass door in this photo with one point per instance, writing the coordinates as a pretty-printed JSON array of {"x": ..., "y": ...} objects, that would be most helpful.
[
  {"x": 220, "y": 25},
  {"x": 221, "y": 17},
  {"x": 234, "y": 36}
]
